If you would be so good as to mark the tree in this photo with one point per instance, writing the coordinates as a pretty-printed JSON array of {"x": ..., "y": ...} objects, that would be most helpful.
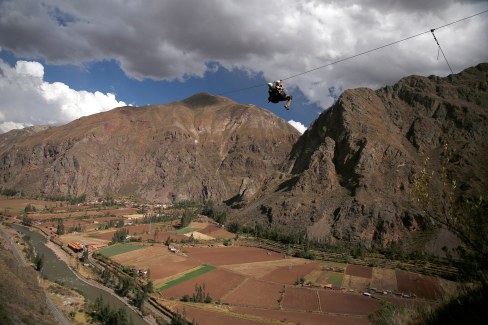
[
  {"x": 126, "y": 285},
  {"x": 187, "y": 217},
  {"x": 140, "y": 299},
  {"x": 234, "y": 227},
  {"x": 26, "y": 221},
  {"x": 178, "y": 319},
  {"x": 9, "y": 192},
  {"x": 84, "y": 257},
  {"x": 39, "y": 262},
  {"x": 120, "y": 317},
  {"x": 201, "y": 295},
  {"x": 149, "y": 286},
  {"x": 120, "y": 223},
  {"x": 30, "y": 208},
  {"x": 210, "y": 211},
  {"x": 60, "y": 227},
  {"x": 120, "y": 235}
]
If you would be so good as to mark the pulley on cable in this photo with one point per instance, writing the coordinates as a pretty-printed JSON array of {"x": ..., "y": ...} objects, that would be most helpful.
[{"x": 439, "y": 48}]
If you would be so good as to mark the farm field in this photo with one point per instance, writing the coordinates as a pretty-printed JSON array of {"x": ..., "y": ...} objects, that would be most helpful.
[
  {"x": 421, "y": 285},
  {"x": 338, "y": 302},
  {"x": 206, "y": 316},
  {"x": 255, "y": 294},
  {"x": 119, "y": 249},
  {"x": 81, "y": 238},
  {"x": 251, "y": 285},
  {"x": 359, "y": 271},
  {"x": 196, "y": 272},
  {"x": 231, "y": 255},
  {"x": 18, "y": 205},
  {"x": 300, "y": 317},
  {"x": 385, "y": 279},
  {"x": 290, "y": 274},
  {"x": 212, "y": 280},
  {"x": 260, "y": 269},
  {"x": 333, "y": 278},
  {"x": 301, "y": 299}
]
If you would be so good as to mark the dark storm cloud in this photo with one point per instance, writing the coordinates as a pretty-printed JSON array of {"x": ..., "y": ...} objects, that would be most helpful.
[{"x": 177, "y": 39}]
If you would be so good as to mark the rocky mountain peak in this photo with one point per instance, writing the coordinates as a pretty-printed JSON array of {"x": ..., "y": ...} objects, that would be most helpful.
[
  {"x": 351, "y": 172},
  {"x": 205, "y": 99},
  {"x": 204, "y": 147}
]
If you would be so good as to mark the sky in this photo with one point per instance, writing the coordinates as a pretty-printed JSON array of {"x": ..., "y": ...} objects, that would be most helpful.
[{"x": 64, "y": 59}]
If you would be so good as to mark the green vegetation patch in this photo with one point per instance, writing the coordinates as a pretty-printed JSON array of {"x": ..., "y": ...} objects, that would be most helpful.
[
  {"x": 193, "y": 274},
  {"x": 119, "y": 249},
  {"x": 184, "y": 231},
  {"x": 335, "y": 278}
]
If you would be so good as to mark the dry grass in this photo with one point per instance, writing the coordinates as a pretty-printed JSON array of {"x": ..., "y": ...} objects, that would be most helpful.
[
  {"x": 17, "y": 205},
  {"x": 260, "y": 269},
  {"x": 21, "y": 298},
  {"x": 68, "y": 301},
  {"x": 384, "y": 279},
  {"x": 199, "y": 235},
  {"x": 82, "y": 238},
  {"x": 355, "y": 282}
]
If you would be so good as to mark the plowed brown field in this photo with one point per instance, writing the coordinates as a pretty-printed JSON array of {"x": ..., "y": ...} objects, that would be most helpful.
[
  {"x": 359, "y": 270},
  {"x": 421, "y": 285},
  {"x": 301, "y": 299},
  {"x": 346, "y": 303},
  {"x": 302, "y": 317},
  {"x": 208, "y": 317},
  {"x": 217, "y": 282},
  {"x": 290, "y": 274},
  {"x": 256, "y": 294},
  {"x": 230, "y": 255}
]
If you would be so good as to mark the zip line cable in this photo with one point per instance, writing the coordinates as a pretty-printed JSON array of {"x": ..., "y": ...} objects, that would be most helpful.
[
  {"x": 366, "y": 52},
  {"x": 440, "y": 48}
]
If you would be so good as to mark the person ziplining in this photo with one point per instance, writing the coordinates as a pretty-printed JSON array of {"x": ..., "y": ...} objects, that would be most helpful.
[{"x": 277, "y": 94}]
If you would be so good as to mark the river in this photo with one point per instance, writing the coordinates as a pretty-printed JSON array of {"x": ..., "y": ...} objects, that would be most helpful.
[{"x": 57, "y": 271}]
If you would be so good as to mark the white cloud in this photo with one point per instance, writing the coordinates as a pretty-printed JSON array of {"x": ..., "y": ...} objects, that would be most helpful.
[
  {"x": 7, "y": 126},
  {"x": 297, "y": 125},
  {"x": 26, "y": 99},
  {"x": 33, "y": 69}
]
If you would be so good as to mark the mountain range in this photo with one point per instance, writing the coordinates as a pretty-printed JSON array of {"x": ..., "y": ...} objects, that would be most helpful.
[{"x": 349, "y": 177}]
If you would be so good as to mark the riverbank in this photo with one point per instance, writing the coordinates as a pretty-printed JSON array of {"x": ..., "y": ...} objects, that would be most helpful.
[
  {"x": 57, "y": 269},
  {"x": 65, "y": 257}
]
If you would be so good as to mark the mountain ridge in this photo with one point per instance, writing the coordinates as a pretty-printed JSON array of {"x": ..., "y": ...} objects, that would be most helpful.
[
  {"x": 348, "y": 178},
  {"x": 169, "y": 143}
]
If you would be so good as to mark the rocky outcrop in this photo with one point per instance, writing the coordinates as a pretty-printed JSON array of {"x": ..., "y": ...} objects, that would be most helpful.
[
  {"x": 350, "y": 175},
  {"x": 204, "y": 147}
]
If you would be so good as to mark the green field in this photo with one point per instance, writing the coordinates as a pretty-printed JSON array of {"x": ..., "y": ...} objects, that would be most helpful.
[
  {"x": 184, "y": 231},
  {"x": 335, "y": 278},
  {"x": 193, "y": 274},
  {"x": 119, "y": 249}
]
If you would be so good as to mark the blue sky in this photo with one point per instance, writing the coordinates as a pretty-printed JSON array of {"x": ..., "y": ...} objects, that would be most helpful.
[{"x": 60, "y": 60}]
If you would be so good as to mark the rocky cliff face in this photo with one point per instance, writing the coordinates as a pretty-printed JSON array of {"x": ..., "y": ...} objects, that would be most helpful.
[
  {"x": 350, "y": 175},
  {"x": 205, "y": 147}
]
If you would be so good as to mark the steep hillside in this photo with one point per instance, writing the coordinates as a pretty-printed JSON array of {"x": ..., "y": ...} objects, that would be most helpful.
[
  {"x": 9, "y": 139},
  {"x": 204, "y": 147},
  {"x": 350, "y": 175}
]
